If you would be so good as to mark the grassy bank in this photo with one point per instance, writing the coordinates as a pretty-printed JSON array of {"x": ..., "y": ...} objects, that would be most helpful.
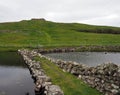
[
  {"x": 69, "y": 83},
  {"x": 41, "y": 33}
]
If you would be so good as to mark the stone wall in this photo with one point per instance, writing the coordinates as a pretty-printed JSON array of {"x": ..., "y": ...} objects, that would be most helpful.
[
  {"x": 104, "y": 77},
  {"x": 43, "y": 84},
  {"x": 81, "y": 48}
]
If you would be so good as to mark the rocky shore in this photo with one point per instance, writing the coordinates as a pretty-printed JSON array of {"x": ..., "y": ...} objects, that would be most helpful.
[
  {"x": 105, "y": 77},
  {"x": 81, "y": 48},
  {"x": 43, "y": 84}
]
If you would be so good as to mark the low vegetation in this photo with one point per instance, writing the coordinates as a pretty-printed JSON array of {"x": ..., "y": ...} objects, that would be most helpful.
[
  {"x": 41, "y": 33},
  {"x": 68, "y": 83}
]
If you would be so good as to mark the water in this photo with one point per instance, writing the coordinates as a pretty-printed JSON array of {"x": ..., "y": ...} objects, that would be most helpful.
[
  {"x": 88, "y": 58},
  {"x": 15, "y": 78}
]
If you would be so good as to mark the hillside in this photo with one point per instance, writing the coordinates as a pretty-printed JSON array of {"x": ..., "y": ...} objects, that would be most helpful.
[{"x": 42, "y": 33}]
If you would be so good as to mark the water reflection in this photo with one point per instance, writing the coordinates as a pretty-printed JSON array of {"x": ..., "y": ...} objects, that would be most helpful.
[
  {"x": 15, "y": 78},
  {"x": 88, "y": 58},
  {"x": 11, "y": 59}
]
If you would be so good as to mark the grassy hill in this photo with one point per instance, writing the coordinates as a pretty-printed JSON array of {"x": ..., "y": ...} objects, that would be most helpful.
[{"x": 42, "y": 33}]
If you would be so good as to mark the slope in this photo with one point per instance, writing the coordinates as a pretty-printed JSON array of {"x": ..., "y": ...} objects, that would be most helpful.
[{"x": 37, "y": 33}]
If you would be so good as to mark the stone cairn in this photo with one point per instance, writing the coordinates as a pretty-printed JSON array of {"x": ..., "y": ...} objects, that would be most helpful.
[{"x": 43, "y": 84}]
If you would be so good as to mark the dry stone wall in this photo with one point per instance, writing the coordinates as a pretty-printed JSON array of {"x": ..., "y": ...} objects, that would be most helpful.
[
  {"x": 43, "y": 84},
  {"x": 105, "y": 77},
  {"x": 81, "y": 48}
]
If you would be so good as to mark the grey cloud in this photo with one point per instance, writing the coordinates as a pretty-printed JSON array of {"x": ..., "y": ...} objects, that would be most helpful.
[{"x": 85, "y": 11}]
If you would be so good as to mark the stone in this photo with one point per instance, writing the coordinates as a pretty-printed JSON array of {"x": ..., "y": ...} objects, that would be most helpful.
[
  {"x": 79, "y": 77},
  {"x": 115, "y": 86},
  {"x": 42, "y": 82},
  {"x": 114, "y": 91},
  {"x": 54, "y": 90},
  {"x": 104, "y": 77}
]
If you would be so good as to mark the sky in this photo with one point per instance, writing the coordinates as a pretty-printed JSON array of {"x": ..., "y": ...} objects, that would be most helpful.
[{"x": 96, "y": 12}]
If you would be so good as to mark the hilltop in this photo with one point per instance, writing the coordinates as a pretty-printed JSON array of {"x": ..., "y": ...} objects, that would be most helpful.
[{"x": 37, "y": 33}]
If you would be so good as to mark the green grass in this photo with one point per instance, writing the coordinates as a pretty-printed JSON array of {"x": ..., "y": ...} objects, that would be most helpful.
[
  {"x": 68, "y": 83},
  {"x": 40, "y": 33}
]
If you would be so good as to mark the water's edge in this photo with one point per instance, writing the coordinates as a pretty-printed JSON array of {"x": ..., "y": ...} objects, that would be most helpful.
[
  {"x": 15, "y": 78},
  {"x": 104, "y": 78}
]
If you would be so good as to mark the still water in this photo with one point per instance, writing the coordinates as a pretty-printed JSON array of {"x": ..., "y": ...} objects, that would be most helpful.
[
  {"x": 88, "y": 58},
  {"x": 15, "y": 78}
]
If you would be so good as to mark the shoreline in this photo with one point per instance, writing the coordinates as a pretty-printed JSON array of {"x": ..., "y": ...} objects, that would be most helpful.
[
  {"x": 95, "y": 77},
  {"x": 82, "y": 48},
  {"x": 89, "y": 48}
]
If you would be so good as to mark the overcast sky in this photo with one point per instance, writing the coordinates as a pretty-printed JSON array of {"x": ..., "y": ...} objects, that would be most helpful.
[{"x": 100, "y": 12}]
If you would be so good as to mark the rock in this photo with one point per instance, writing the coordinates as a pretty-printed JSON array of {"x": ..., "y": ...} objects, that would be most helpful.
[
  {"x": 114, "y": 91},
  {"x": 54, "y": 90},
  {"x": 79, "y": 77},
  {"x": 115, "y": 86},
  {"x": 42, "y": 82},
  {"x": 104, "y": 77}
]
